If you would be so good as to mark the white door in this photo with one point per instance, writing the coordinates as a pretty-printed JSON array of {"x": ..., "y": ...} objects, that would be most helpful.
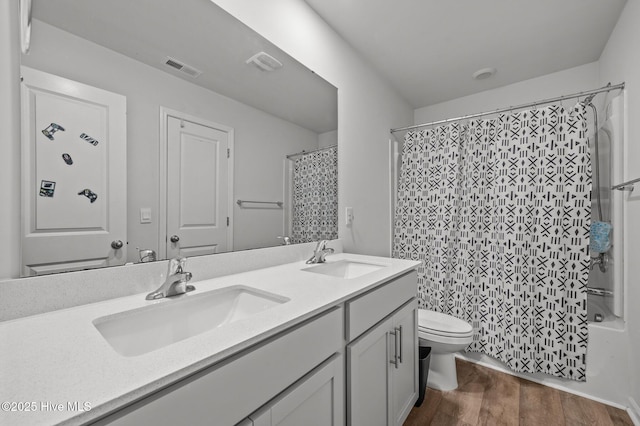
[
  {"x": 74, "y": 175},
  {"x": 197, "y": 188}
]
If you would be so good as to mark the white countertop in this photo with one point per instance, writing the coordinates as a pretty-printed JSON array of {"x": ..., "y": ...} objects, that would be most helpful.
[{"x": 59, "y": 357}]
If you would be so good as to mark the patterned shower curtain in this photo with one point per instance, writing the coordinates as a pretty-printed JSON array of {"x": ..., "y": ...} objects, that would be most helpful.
[
  {"x": 498, "y": 211},
  {"x": 315, "y": 196}
]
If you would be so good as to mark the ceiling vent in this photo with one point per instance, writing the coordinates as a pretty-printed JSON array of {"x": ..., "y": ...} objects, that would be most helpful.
[
  {"x": 182, "y": 67},
  {"x": 264, "y": 62}
]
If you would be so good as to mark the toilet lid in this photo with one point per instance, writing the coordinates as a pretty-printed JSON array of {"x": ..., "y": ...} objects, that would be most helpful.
[{"x": 442, "y": 324}]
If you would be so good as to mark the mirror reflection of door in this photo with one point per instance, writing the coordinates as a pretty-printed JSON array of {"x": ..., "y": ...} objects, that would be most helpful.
[
  {"x": 198, "y": 188},
  {"x": 74, "y": 175}
]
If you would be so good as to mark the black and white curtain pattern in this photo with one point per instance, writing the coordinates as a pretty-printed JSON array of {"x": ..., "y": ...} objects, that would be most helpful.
[
  {"x": 498, "y": 211},
  {"x": 315, "y": 196}
]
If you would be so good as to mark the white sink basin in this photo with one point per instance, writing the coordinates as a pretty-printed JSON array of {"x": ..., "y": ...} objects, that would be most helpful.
[
  {"x": 146, "y": 329},
  {"x": 344, "y": 268}
]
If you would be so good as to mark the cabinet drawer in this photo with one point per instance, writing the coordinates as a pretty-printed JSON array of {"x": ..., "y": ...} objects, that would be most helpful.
[
  {"x": 229, "y": 391},
  {"x": 365, "y": 311}
]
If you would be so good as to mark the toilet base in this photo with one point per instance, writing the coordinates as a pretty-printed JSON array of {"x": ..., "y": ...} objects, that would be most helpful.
[{"x": 442, "y": 372}]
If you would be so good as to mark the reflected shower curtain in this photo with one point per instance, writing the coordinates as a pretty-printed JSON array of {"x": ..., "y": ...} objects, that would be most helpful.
[
  {"x": 498, "y": 211},
  {"x": 315, "y": 196}
]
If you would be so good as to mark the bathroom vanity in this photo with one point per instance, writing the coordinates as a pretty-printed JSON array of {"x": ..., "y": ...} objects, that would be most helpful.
[{"x": 333, "y": 342}]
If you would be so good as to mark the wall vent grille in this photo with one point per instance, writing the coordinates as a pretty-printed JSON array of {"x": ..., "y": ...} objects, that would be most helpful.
[{"x": 182, "y": 67}]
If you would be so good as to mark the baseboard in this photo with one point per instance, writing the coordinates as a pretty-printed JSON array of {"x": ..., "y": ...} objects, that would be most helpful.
[
  {"x": 551, "y": 385},
  {"x": 634, "y": 411}
]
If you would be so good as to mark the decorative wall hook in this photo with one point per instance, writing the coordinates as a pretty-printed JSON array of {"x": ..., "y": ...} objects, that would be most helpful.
[
  {"x": 67, "y": 158},
  {"x": 51, "y": 129},
  {"x": 89, "y": 139},
  {"x": 47, "y": 188},
  {"x": 89, "y": 194}
]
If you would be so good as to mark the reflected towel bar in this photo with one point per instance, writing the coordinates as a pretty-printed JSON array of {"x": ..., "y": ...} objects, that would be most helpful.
[
  {"x": 241, "y": 202},
  {"x": 626, "y": 186},
  {"x": 598, "y": 291}
]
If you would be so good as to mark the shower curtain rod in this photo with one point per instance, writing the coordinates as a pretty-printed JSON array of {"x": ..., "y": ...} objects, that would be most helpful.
[
  {"x": 607, "y": 88},
  {"x": 309, "y": 152}
]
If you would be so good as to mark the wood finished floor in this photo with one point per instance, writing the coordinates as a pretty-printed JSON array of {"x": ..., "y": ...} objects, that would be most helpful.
[{"x": 488, "y": 397}]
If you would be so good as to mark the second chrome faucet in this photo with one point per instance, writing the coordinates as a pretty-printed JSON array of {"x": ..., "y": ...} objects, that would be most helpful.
[
  {"x": 320, "y": 253},
  {"x": 176, "y": 281}
]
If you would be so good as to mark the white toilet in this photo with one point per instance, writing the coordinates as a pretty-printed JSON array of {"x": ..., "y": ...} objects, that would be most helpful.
[{"x": 446, "y": 335}]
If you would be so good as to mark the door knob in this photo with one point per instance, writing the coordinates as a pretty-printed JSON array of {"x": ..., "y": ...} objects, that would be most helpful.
[
  {"x": 116, "y": 244},
  {"x": 174, "y": 238}
]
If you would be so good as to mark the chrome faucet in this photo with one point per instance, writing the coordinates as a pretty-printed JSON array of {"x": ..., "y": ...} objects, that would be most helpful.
[
  {"x": 286, "y": 240},
  {"x": 146, "y": 255},
  {"x": 320, "y": 252},
  {"x": 176, "y": 281},
  {"x": 602, "y": 260}
]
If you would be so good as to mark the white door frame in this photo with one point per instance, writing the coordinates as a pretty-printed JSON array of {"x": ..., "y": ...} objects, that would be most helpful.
[{"x": 165, "y": 113}]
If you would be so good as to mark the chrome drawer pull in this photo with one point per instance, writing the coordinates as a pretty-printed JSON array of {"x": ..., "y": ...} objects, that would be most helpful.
[
  {"x": 394, "y": 361},
  {"x": 400, "y": 345}
]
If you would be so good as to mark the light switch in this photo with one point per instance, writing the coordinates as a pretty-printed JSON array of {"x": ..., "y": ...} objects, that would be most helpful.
[{"x": 145, "y": 215}]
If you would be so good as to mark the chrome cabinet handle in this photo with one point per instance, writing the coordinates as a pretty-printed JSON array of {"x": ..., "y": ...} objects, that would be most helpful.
[
  {"x": 174, "y": 238},
  {"x": 400, "y": 345},
  {"x": 117, "y": 244},
  {"x": 395, "y": 347}
]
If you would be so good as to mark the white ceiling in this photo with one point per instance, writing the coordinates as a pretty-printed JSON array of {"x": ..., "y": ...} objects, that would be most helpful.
[
  {"x": 429, "y": 49},
  {"x": 206, "y": 37}
]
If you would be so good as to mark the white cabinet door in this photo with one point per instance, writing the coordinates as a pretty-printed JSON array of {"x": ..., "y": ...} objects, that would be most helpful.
[
  {"x": 74, "y": 175},
  {"x": 404, "y": 377},
  {"x": 368, "y": 385},
  {"x": 197, "y": 189},
  {"x": 382, "y": 382},
  {"x": 317, "y": 400}
]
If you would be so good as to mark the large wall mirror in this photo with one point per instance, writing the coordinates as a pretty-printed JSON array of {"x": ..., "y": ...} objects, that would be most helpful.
[{"x": 162, "y": 128}]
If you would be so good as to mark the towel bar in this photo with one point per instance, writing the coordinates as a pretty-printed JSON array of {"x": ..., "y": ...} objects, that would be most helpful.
[
  {"x": 626, "y": 186},
  {"x": 241, "y": 202}
]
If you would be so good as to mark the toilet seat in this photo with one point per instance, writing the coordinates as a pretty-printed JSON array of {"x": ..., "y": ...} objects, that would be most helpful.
[{"x": 439, "y": 324}]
